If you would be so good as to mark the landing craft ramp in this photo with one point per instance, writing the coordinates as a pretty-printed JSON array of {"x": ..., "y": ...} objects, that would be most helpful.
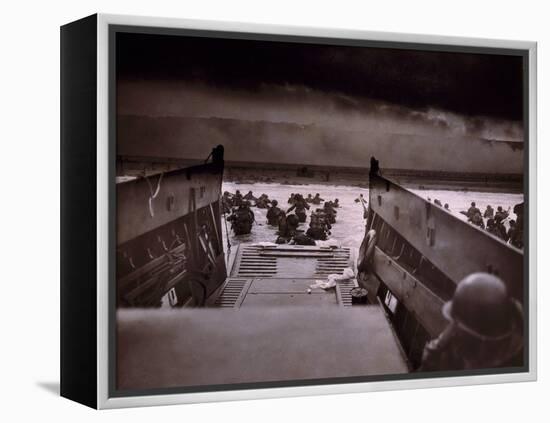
[
  {"x": 190, "y": 348},
  {"x": 281, "y": 275},
  {"x": 254, "y": 321},
  {"x": 262, "y": 325}
]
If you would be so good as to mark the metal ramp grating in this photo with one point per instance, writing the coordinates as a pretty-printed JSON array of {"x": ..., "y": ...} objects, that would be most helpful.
[
  {"x": 282, "y": 274},
  {"x": 290, "y": 261},
  {"x": 335, "y": 264},
  {"x": 345, "y": 288},
  {"x": 253, "y": 264},
  {"x": 232, "y": 293}
]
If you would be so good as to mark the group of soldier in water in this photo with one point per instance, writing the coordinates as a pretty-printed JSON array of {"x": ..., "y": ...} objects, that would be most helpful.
[
  {"x": 493, "y": 222},
  {"x": 321, "y": 219}
]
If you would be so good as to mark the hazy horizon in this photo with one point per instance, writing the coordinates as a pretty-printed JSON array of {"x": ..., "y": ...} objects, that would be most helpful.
[{"x": 319, "y": 104}]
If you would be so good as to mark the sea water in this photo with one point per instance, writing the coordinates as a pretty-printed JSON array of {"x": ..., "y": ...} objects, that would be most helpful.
[{"x": 349, "y": 228}]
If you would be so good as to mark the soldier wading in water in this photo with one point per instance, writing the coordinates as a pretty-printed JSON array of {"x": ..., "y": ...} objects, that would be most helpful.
[
  {"x": 273, "y": 213},
  {"x": 288, "y": 227},
  {"x": 300, "y": 205},
  {"x": 318, "y": 227},
  {"x": 242, "y": 219}
]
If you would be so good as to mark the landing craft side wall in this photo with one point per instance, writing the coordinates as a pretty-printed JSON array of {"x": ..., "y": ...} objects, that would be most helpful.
[
  {"x": 455, "y": 247},
  {"x": 174, "y": 198}
]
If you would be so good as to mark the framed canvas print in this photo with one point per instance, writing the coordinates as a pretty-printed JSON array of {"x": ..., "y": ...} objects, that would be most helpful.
[{"x": 254, "y": 211}]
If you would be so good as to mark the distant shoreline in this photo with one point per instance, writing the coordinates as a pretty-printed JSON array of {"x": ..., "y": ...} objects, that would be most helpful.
[
  {"x": 305, "y": 175},
  {"x": 300, "y": 174}
]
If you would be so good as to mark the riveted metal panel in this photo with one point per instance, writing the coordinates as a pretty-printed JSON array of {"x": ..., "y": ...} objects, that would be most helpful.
[
  {"x": 455, "y": 247},
  {"x": 180, "y": 192}
]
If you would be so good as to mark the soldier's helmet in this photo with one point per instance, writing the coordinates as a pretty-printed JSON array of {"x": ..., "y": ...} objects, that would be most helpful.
[
  {"x": 482, "y": 307},
  {"x": 274, "y": 202}
]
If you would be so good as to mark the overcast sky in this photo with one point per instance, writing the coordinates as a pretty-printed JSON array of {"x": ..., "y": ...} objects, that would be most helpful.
[{"x": 254, "y": 93}]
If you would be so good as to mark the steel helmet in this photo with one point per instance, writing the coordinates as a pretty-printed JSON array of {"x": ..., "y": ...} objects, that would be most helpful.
[{"x": 482, "y": 307}]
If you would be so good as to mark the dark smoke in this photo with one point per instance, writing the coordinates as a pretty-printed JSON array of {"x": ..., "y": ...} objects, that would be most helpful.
[{"x": 296, "y": 124}]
